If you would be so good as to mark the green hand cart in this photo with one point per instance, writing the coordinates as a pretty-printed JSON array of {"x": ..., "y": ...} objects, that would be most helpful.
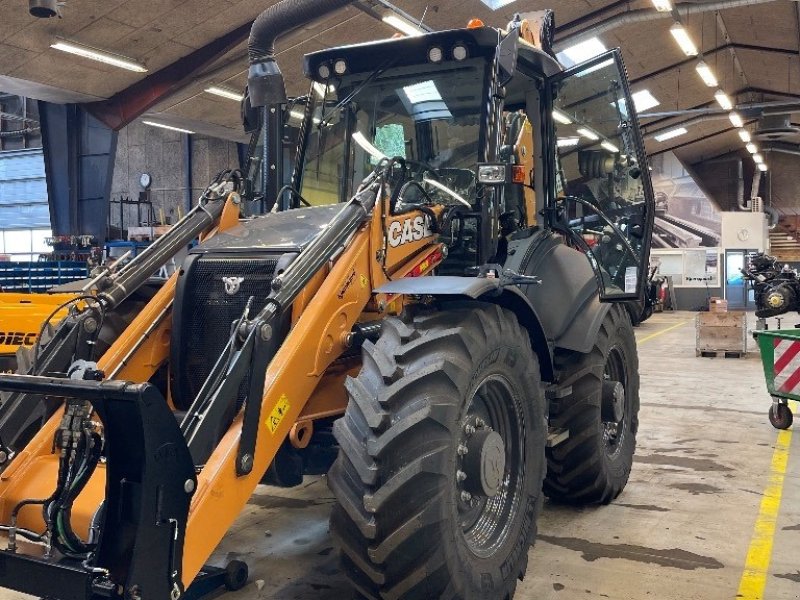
[{"x": 780, "y": 356}]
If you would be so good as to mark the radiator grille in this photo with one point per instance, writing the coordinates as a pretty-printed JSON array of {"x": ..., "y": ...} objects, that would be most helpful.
[{"x": 207, "y": 313}]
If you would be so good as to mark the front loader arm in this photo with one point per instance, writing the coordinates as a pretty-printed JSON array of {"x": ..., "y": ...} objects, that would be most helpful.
[{"x": 22, "y": 414}]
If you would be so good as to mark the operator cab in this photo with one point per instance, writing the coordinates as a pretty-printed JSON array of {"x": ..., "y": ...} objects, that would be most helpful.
[{"x": 444, "y": 104}]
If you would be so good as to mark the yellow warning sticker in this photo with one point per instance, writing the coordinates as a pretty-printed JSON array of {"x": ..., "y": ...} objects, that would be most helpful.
[
  {"x": 364, "y": 281},
  {"x": 278, "y": 413}
]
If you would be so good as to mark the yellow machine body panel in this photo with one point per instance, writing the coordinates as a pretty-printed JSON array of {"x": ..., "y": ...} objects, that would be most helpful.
[{"x": 22, "y": 316}]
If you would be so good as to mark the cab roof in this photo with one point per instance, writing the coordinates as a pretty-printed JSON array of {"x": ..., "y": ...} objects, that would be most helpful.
[{"x": 406, "y": 51}]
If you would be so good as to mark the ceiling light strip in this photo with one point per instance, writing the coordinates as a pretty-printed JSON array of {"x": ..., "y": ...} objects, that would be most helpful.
[{"x": 103, "y": 56}]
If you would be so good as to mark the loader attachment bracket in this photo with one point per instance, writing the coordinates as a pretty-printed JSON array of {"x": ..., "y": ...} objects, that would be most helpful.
[{"x": 150, "y": 480}]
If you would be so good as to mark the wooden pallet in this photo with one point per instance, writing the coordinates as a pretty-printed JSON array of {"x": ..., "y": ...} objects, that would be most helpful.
[{"x": 721, "y": 354}]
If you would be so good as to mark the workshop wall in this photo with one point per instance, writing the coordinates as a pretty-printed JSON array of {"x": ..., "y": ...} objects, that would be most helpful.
[{"x": 160, "y": 153}]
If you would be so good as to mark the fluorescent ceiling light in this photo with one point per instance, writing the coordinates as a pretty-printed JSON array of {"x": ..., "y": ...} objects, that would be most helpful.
[
  {"x": 102, "y": 56},
  {"x": 561, "y": 117},
  {"x": 588, "y": 133},
  {"x": 170, "y": 127},
  {"x": 580, "y": 52},
  {"x": 495, "y": 4},
  {"x": 758, "y": 158},
  {"x": 684, "y": 41},
  {"x": 567, "y": 142},
  {"x": 744, "y": 135},
  {"x": 662, "y": 5},
  {"x": 762, "y": 167},
  {"x": 706, "y": 74},
  {"x": 225, "y": 92},
  {"x": 752, "y": 148},
  {"x": 609, "y": 146},
  {"x": 736, "y": 119},
  {"x": 359, "y": 139},
  {"x": 425, "y": 91},
  {"x": 643, "y": 100},
  {"x": 402, "y": 25},
  {"x": 723, "y": 100},
  {"x": 672, "y": 133}
]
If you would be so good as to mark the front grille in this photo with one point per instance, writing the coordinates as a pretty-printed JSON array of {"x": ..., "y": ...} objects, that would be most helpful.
[{"x": 206, "y": 313}]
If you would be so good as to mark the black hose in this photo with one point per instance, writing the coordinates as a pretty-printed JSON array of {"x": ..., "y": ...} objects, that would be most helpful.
[
  {"x": 64, "y": 538},
  {"x": 282, "y": 18},
  {"x": 265, "y": 81}
]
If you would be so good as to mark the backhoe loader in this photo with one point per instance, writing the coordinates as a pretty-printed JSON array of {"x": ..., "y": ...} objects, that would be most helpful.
[{"x": 430, "y": 312}]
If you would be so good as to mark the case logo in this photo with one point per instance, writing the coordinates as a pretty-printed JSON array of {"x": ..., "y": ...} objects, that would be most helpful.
[
  {"x": 409, "y": 230},
  {"x": 232, "y": 284}
]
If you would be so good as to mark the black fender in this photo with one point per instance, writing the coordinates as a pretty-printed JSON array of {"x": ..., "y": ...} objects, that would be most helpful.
[
  {"x": 484, "y": 289},
  {"x": 567, "y": 300}
]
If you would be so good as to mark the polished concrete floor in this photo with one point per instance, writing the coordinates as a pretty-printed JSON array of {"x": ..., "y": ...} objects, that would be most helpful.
[{"x": 683, "y": 529}]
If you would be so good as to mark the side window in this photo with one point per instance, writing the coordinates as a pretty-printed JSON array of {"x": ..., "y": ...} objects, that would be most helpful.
[
  {"x": 325, "y": 162},
  {"x": 601, "y": 183}
]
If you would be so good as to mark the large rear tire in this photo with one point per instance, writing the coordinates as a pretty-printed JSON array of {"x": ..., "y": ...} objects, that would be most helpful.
[
  {"x": 439, "y": 476},
  {"x": 593, "y": 464}
]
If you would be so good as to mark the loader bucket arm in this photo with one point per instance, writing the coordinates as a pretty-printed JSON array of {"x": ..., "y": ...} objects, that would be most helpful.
[
  {"x": 148, "y": 547},
  {"x": 22, "y": 414}
]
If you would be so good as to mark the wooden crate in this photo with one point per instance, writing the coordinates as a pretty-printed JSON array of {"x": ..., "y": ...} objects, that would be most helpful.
[{"x": 722, "y": 334}]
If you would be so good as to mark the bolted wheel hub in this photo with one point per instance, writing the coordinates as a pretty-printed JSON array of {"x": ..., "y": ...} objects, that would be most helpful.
[
  {"x": 775, "y": 300},
  {"x": 484, "y": 463},
  {"x": 613, "y": 401}
]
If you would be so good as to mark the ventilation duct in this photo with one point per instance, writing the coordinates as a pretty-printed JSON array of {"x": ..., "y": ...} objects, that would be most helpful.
[{"x": 776, "y": 128}]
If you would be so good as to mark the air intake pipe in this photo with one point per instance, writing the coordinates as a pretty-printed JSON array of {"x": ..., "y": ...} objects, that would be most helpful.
[{"x": 264, "y": 79}]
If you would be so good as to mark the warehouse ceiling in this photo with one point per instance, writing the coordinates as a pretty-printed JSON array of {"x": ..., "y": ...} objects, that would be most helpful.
[{"x": 753, "y": 46}]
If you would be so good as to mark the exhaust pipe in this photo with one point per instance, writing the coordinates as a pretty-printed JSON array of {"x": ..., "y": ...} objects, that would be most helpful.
[{"x": 264, "y": 79}]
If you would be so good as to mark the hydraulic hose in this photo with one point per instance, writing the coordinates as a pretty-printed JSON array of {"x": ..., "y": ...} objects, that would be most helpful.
[{"x": 265, "y": 81}]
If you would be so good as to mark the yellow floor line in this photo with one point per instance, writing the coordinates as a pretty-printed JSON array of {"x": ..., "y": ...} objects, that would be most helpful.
[
  {"x": 658, "y": 333},
  {"x": 759, "y": 554}
]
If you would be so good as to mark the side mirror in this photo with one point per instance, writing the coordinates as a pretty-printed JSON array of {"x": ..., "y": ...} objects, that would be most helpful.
[{"x": 251, "y": 116}]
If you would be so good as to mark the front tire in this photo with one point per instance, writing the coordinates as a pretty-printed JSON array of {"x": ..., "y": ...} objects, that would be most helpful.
[
  {"x": 593, "y": 464},
  {"x": 438, "y": 479}
]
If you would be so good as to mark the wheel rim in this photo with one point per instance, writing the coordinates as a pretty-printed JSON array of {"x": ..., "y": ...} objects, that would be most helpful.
[
  {"x": 614, "y": 432},
  {"x": 493, "y": 413}
]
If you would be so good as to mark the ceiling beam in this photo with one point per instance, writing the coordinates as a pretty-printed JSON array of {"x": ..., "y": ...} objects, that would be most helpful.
[
  {"x": 712, "y": 51},
  {"x": 732, "y": 51},
  {"x": 743, "y": 107},
  {"x": 132, "y": 102}
]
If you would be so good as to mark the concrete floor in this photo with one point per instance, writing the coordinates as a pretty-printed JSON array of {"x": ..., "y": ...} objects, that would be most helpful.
[{"x": 680, "y": 531}]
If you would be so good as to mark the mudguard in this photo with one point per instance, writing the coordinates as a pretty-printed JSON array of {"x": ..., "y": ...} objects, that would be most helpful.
[
  {"x": 485, "y": 290},
  {"x": 567, "y": 300}
]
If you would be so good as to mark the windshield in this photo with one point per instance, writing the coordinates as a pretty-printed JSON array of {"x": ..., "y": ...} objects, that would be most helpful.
[{"x": 428, "y": 115}]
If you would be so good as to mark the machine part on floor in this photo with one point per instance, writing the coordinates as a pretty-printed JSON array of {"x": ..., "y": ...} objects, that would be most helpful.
[
  {"x": 450, "y": 254},
  {"x": 776, "y": 289},
  {"x": 601, "y": 412},
  {"x": 442, "y": 498}
]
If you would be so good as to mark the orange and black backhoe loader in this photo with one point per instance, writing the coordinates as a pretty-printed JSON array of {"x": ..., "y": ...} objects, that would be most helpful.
[{"x": 439, "y": 330}]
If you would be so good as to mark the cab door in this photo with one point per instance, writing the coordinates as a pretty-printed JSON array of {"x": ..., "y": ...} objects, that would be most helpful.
[{"x": 603, "y": 197}]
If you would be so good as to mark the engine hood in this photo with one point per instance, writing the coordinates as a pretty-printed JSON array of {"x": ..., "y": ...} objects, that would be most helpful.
[{"x": 288, "y": 231}]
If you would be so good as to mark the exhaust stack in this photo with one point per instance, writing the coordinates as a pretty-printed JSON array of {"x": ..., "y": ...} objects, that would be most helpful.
[{"x": 265, "y": 80}]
